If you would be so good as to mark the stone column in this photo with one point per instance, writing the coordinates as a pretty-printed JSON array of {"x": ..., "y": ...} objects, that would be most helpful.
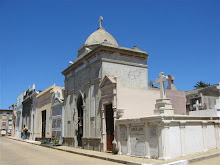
[
  {"x": 103, "y": 131},
  {"x": 204, "y": 128},
  {"x": 114, "y": 143},
  {"x": 63, "y": 121},
  {"x": 217, "y": 126},
  {"x": 164, "y": 147},
  {"x": 147, "y": 150},
  {"x": 118, "y": 139},
  {"x": 128, "y": 140},
  {"x": 84, "y": 119},
  {"x": 114, "y": 107},
  {"x": 182, "y": 137},
  {"x": 87, "y": 117}
]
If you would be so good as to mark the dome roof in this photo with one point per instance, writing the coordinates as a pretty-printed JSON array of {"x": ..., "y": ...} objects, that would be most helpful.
[{"x": 99, "y": 36}]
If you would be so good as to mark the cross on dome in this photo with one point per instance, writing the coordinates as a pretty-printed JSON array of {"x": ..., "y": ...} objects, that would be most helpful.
[
  {"x": 100, "y": 21},
  {"x": 100, "y": 36}
]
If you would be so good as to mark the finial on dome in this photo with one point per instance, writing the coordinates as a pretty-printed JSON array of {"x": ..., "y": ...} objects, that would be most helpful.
[{"x": 100, "y": 21}]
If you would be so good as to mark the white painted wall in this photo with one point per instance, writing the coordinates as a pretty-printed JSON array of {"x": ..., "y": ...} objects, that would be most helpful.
[
  {"x": 136, "y": 102},
  {"x": 174, "y": 140},
  {"x": 167, "y": 137},
  {"x": 193, "y": 139},
  {"x": 208, "y": 112}
]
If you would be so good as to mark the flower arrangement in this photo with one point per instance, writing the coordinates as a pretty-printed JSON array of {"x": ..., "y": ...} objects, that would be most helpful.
[{"x": 55, "y": 141}]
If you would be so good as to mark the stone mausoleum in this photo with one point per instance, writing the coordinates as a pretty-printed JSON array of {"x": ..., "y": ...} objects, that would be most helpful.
[
  {"x": 107, "y": 82},
  {"x": 44, "y": 113}
]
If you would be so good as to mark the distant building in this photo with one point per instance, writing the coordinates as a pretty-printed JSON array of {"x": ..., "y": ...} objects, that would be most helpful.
[
  {"x": 27, "y": 103},
  {"x": 14, "y": 108},
  {"x": 6, "y": 122},
  {"x": 27, "y": 115},
  {"x": 32, "y": 128},
  {"x": 205, "y": 96},
  {"x": 18, "y": 123},
  {"x": 58, "y": 116},
  {"x": 43, "y": 124}
]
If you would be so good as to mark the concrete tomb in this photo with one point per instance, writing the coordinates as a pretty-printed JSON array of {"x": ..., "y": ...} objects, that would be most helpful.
[
  {"x": 217, "y": 105},
  {"x": 166, "y": 137},
  {"x": 204, "y": 110}
]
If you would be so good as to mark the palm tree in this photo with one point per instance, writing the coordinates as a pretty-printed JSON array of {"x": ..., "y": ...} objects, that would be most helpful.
[{"x": 201, "y": 84}]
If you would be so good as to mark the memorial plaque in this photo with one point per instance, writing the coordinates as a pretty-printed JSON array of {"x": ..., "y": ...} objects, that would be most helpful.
[
  {"x": 137, "y": 129},
  {"x": 123, "y": 132}
]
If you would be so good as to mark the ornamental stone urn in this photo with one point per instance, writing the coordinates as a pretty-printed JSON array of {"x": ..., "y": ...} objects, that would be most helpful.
[{"x": 120, "y": 113}]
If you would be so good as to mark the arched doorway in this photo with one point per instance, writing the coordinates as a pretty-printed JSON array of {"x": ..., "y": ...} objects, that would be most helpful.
[{"x": 80, "y": 120}]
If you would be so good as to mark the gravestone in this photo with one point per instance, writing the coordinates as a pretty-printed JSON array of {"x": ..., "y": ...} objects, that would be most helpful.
[
  {"x": 153, "y": 141},
  {"x": 171, "y": 83},
  {"x": 197, "y": 105},
  {"x": 163, "y": 105},
  {"x": 137, "y": 140}
]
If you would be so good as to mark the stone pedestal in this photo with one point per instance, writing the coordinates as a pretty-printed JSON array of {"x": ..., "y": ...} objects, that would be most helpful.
[{"x": 163, "y": 107}]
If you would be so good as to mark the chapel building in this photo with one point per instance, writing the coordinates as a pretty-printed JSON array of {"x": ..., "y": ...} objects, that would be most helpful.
[{"x": 104, "y": 83}]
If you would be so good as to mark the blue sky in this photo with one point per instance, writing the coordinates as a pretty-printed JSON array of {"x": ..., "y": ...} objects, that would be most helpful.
[{"x": 38, "y": 39}]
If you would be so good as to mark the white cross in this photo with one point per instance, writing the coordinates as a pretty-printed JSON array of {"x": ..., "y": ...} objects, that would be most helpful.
[
  {"x": 100, "y": 21},
  {"x": 218, "y": 87},
  {"x": 197, "y": 105},
  {"x": 161, "y": 80}
]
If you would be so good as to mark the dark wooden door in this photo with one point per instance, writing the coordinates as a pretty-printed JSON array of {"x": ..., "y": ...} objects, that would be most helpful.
[
  {"x": 109, "y": 126},
  {"x": 43, "y": 124}
]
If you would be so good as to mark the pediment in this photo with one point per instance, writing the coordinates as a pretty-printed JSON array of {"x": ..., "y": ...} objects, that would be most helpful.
[
  {"x": 57, "y": 101},
  {"x": 108, "y": 80}
]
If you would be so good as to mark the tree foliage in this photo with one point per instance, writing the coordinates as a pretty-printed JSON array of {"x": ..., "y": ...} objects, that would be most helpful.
[{"x": 201, "y": 84}]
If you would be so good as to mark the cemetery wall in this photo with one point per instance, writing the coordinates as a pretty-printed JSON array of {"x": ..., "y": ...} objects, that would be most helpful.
[
  {"x": 166, "y": 137},
  {"x": 178, "y": 100},
  {"x": 140, "y": 101},
  {"x": 208, "y": 112},
  {"x": 143, "y": 101},
  {"x": 209, "y": 101}
]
